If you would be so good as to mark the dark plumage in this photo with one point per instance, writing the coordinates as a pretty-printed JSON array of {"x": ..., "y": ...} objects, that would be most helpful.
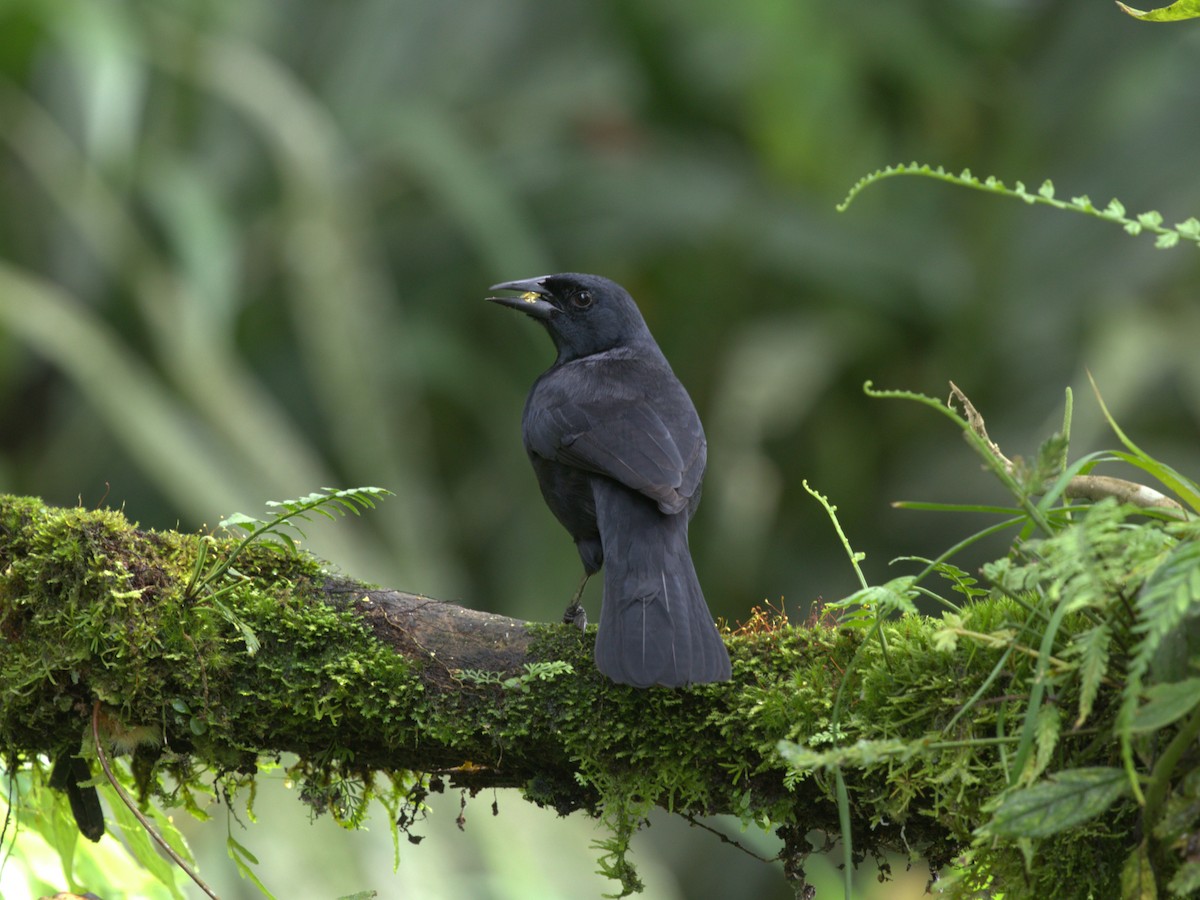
[{"x": 619, "y": 454}]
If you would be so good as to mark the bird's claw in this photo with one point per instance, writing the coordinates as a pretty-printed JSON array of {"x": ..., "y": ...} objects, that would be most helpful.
[{"x": 575, "y": 615}]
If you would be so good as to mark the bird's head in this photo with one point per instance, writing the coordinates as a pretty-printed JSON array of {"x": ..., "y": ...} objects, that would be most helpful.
[{"x": 584, "y": 314}]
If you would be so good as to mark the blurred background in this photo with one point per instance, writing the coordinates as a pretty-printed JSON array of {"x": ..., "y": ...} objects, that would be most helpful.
[{"x": 244, "y": 248}]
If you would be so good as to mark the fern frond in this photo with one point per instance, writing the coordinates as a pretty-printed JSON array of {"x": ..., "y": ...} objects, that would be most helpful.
[
  {"x": 1151, "y": 221},
  {"x": 328, "y": 502},
  {"x": 1091, "y": 646},
  {"x": 1169, "y": 597}
]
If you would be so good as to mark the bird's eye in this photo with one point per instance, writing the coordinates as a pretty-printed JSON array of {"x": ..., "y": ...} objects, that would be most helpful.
[{"x": 581, "y": 299}]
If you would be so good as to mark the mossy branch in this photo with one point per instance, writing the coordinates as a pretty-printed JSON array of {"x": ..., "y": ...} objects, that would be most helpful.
[
  {"x": 361, "y": 683},
  {"x": 358, "y": 680}
]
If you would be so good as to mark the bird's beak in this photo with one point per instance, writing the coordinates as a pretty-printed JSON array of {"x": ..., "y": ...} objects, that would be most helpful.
[{"x": 531, "y": 298}]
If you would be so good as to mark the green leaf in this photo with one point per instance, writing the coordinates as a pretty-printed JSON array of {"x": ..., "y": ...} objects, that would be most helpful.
[
  {"x": 1047, "y": 189},
  {"x": 1186, "y": 881},
  {"x": 1046, "y": 467},
  {"x": 1167, "y": 703},
  {"x": 1062, "y": 801},
  {"x": 1176, "y": 12},
  {"x": 244, "y": 859},
  {"x": 1189, "y": 228},
  {"x": 1092, "y": 647},
  {"x": 1185, "y": 488},
  {"x": 1170, "y": 595},
  {"x": 248, "y": 636},
  {"x": 1137, "y": 876},
  {"x": 239, "y": 520},
  {"x": 142, "y": 846},
  {"x": 945, "y": 639},
  {"x": 50, "y": 815},
  {"x": 897, "y": 594},
  {"x": 1029, "y": 728},
  {"x": 1046, "y": 731}
]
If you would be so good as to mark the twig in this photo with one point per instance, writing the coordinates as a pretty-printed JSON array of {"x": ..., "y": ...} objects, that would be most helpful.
[
  {"x": 1097, "y": 487},
  {"x": 725, "y": 839},
  {"x": 975, "y": 420},
  {"x": 1083, "y": 487},
  {"x": 125, "y": 798}
]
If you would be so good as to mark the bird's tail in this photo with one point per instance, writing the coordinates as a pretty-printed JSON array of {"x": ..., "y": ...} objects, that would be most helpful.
[{"x": 655, "y": 627}]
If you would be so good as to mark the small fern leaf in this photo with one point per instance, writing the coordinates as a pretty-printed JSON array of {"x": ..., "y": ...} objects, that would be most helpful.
[
  {"x": 1045, "y": 738},
  {"x": 1189, "y": 228},
  {"x": 1170, "y": 596},
  {"x": 1166, "y": 703},
  {"x": 239, "y": 520},
  {"x": 1093, "y": 663}
]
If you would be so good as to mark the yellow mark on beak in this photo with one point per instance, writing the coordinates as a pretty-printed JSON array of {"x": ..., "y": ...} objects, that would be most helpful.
[{"x": 531, "y": 296}]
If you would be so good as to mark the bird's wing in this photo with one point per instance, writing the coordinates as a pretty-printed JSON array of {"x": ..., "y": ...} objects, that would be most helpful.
[{"x": 628, "y": 442}]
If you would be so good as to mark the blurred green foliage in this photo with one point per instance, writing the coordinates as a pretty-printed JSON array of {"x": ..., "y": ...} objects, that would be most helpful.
[{"x": 244, "y": 245}]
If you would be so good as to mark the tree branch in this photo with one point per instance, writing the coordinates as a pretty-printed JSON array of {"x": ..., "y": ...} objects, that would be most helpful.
[
  {"x": 282, "y": 656},
  {"x": 357, "y": 679}
]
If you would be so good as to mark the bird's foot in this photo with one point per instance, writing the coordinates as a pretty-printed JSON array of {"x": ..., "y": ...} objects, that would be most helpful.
[{"x": 575, "y": 615}]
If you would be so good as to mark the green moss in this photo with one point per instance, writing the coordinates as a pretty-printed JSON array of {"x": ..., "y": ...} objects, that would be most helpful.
[
  {"x": 78, "y": 605},
  {"x": 92, "y": 608},
  {"x": 921, "y": 718}
]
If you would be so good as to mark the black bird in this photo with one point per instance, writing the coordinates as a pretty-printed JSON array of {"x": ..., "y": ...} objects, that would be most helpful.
[{"x": 619, "y": 453}]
